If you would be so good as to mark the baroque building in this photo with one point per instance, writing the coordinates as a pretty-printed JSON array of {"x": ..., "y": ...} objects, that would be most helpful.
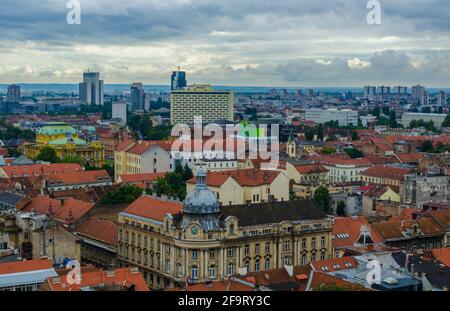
[
  {"x": 200, "y": 241},
  {"x": 64, "y": 139}
]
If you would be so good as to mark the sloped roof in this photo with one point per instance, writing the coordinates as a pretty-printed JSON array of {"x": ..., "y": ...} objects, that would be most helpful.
[
  {"x": 124, "y": 276},
  {"x": 152, "y": 208},
  {"x": 347, "y": 230},
  {"x": 274, "y": 212},
  {"x": 99, "y": 229},
  {"x": 247, "y": 177}
]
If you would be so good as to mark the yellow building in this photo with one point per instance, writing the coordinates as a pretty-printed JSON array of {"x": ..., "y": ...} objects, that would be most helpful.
[
  {"x": 246, "y": 186},
  {"x": 64, "y": 139},
  {"x": 200, "y": 100},
  {"x": 199, "y": 241},
  {"x": 306, "y": 177},
  {"x": 387, "y": 175}
]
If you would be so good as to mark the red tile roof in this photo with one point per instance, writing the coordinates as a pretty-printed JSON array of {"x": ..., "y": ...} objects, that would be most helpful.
[
  {"x": 82, "y": 177},
  {"x": 310, "y": 169},
  {"x": 248, "y": 177},
  {"x": 124, "y": 277},
  {"x": 442, "y": 254},
  {"x": 40, "y": 169},
  {"x": 410, "y": 157},
  {"x": 347, "y": 230},
  {"x": 395, "y": 229},
  {"x": 152, "y": 208},
  {"x": 374, "y": 159},
  {"x": 144, "y": 177},
  {"x": 41, "y": 205},
  {"x": 386, "y": 171},
  {"x": 335, "y": 264},
  {"x": 99, "y": 229},
  {"x": 330, "y": 160},
  {"x": 143, "y": 146},
  {"x": 25, "y": 266}
]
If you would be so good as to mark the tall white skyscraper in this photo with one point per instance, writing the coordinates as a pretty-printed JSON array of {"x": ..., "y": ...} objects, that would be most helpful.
[{"x": 91, "y": 89}]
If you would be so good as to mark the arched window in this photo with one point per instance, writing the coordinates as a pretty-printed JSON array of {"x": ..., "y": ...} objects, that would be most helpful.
[
  {"x": 230, "y": 269},
  {"x": 247, "y": 266},
  {"x": 287, "y": 260},
  {"x": 257, "y": 265},
  {"x": 267, "y": 264},
  {"x": 304, "y": 260},
  {"x": 322, "y": 255}
]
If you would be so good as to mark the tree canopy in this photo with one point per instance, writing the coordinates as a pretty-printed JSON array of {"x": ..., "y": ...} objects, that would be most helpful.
[{"x": 322, "y": 197}]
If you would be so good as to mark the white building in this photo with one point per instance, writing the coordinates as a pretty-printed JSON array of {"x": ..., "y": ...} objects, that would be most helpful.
[
  {"x": 200, "y": 100},
  {"x": 437, "y": 118},
  {"x": 344, "y": 116},
  {"x": 119, "y": 111},
  {"x": 91, "y": 89}
]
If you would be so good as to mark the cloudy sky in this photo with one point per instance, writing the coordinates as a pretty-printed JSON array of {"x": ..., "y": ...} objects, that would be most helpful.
[{"x": 228, "y": 42}]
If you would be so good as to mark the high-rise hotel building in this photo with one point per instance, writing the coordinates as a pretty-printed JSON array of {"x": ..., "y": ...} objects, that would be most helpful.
[
  {"x": 91, "y": 89},
  {"x": 200, "y": 100}
]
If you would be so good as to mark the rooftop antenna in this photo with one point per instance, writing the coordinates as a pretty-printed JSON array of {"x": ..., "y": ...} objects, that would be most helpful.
[{"x": 179, "y": 67}]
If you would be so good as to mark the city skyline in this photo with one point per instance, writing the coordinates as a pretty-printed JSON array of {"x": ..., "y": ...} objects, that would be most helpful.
[{"x": 290, "y": 43}]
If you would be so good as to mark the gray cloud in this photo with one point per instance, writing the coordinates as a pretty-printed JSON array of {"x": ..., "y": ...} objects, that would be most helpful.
[{"x": 235, "y": 42}]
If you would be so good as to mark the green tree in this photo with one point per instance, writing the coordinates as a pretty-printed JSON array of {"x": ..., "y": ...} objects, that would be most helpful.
[
  {"x": 48, "y": 154},
  {"x": 329, "y": 150},
  {"x": 393, "y": 119},
  {"x": 320, "y": 132},
  {"x": 187, "y": 173},
  {"x": 309, "y": 134},
  {"x": 322, "y": 197},
  {"x": 123, "y": 195},
  {"x": 446, "y": 122},
  {"x": 355, "y": 135},
  {"x": 386, "y": 110},
  {"x": 354, "y": 153},
  {"x": 376, "y": 112},
  {"x": 340, "y": 209},
  {"x": 427, "y": 146}
]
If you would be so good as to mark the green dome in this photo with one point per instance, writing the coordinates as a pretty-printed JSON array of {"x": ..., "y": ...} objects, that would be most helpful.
[
  {"x": 57, "y": 129},
  {"x": 68, "y": 140}
]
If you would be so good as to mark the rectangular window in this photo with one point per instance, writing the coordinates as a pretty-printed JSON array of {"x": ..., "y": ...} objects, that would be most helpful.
[
  {"x": 257, "y": 250},
  {"x": 194, "y": 273},
  {"x": 287, "y": 245},
  {"x": 267, "y": 247},
  {"x": 194, "y": 254},
  {"x": 247, "y": 249}
]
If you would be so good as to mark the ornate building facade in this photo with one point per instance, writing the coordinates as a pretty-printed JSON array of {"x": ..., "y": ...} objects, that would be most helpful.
[
  {"x": 65, "y": 140},
  {"x": 200, "y": 241}
]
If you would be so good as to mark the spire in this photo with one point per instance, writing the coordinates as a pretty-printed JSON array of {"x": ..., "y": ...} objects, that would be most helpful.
[{"x": 200, "y": 178}]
